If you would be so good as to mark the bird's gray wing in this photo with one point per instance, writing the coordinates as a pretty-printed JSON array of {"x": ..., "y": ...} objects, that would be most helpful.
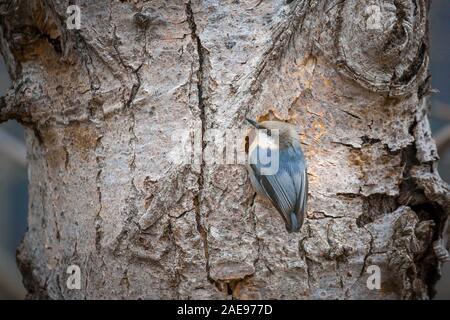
[
  {"x": 288, "y": 188},
  {"x": 297, "y": 170},
  {"x": 302, "y": 195},
  {"x": 279, "y": 188}
]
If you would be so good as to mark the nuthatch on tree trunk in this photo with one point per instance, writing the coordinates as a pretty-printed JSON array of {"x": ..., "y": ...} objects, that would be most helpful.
[{"x": 277, "y": 169}]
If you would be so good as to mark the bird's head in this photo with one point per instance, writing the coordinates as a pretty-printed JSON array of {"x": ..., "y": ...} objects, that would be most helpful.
[{"x": 285, "y": 132}]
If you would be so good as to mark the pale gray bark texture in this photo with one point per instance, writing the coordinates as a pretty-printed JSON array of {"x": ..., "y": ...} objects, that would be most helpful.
[{"x": 100, "y": 105}]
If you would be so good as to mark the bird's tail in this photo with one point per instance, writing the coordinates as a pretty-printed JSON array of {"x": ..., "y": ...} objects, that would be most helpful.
[{"x": 295, "y": 226}]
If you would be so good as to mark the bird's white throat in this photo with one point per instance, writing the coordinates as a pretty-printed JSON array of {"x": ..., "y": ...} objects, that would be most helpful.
[{"x": 264, "y": 141}]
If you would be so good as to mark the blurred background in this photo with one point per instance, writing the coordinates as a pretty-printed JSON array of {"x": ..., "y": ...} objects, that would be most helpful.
[{"x": 13, "y": 170}]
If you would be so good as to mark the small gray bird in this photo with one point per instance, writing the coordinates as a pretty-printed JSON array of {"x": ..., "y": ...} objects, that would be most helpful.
[{"x": 287, "y": 187}]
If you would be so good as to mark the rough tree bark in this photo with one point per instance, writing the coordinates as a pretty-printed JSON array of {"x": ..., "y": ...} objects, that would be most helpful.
[{"x": 100, "y": 104}]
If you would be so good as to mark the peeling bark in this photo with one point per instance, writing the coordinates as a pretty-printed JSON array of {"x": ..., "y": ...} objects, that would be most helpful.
[{"x": 101, "y": 105}]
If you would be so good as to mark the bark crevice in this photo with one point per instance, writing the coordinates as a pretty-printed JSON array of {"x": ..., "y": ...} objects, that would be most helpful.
[{"x": 199, "y": 217}]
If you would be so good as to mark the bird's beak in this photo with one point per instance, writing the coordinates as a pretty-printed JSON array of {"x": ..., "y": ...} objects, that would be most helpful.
[{"x": 252, "y": 122}]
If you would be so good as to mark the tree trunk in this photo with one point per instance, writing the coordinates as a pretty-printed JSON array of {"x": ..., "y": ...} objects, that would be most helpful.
[{"x": 101, "y": 106}]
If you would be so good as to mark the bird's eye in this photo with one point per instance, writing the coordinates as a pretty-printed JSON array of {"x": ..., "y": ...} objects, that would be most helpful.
[{"x": 269, "y": 133}]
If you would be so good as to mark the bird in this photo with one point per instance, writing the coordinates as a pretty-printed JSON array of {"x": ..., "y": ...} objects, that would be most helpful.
[{"x": 287, "y": 186}]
